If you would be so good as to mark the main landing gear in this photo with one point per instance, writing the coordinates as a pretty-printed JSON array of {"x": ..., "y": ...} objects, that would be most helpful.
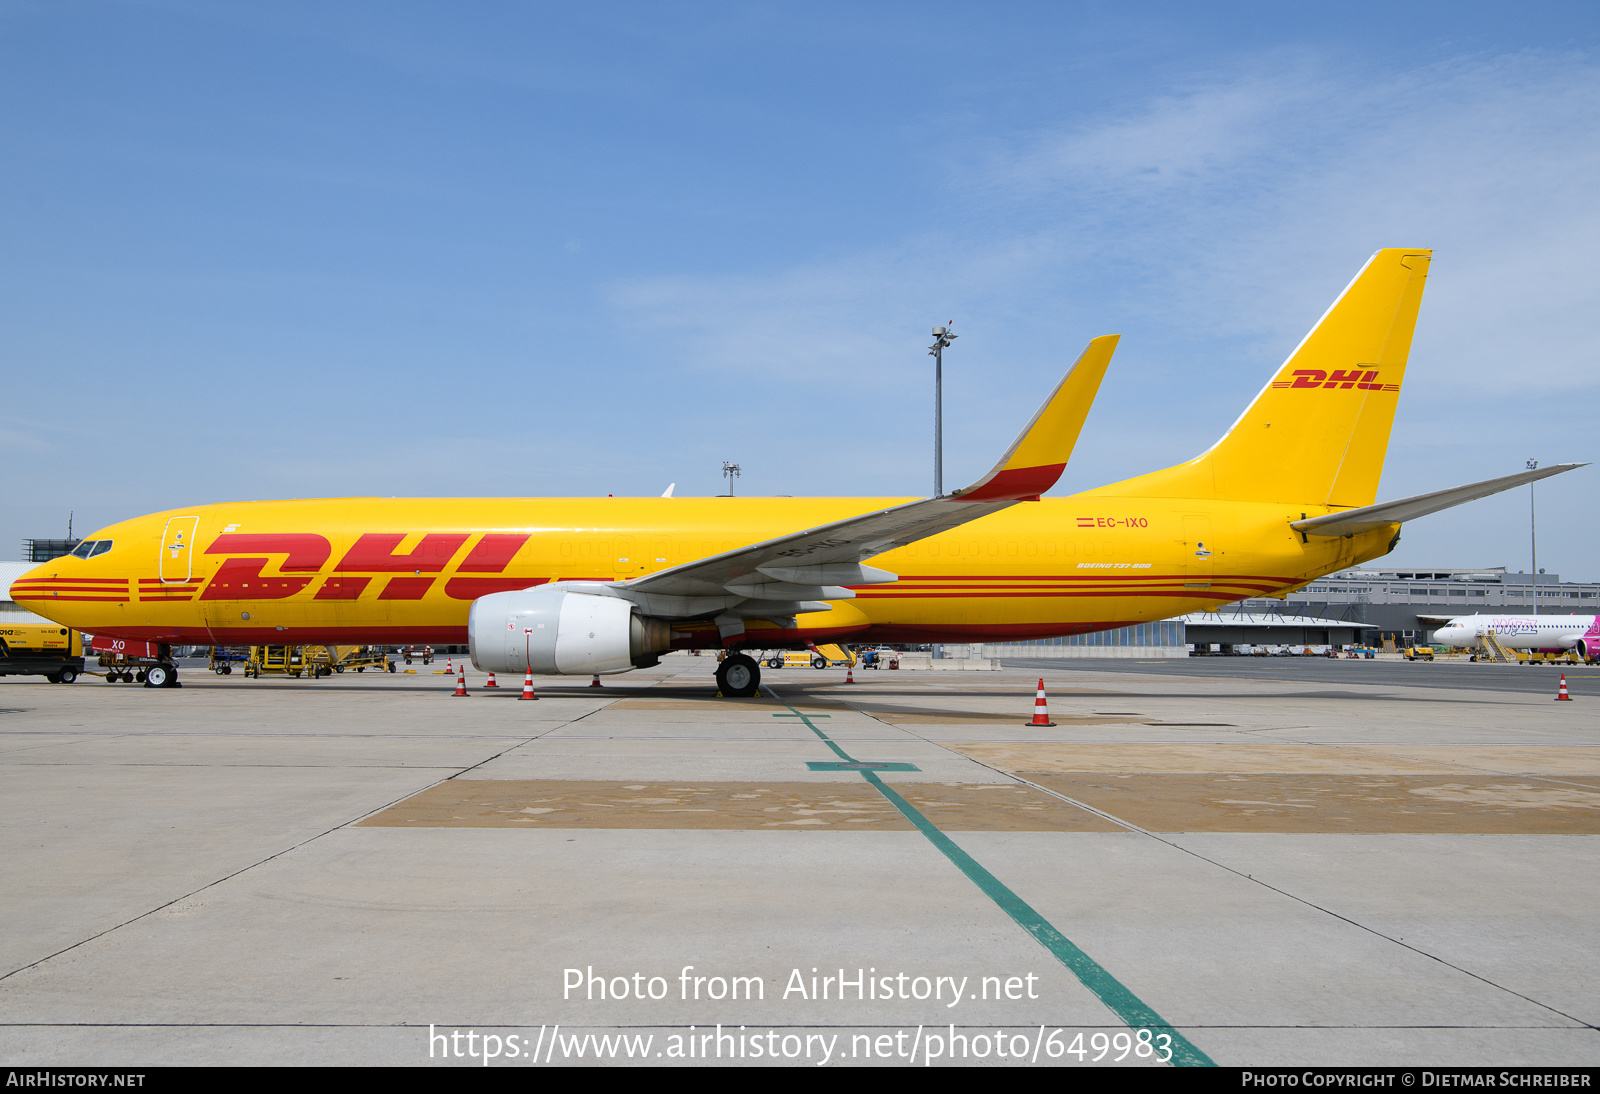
[
  {"x": 161, "y": 675},
  {"x": 738, "y": 677}
]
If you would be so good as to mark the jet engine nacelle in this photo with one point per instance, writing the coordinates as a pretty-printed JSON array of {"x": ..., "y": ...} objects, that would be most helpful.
[
  {"x": 555, "y": 630},
  {"x": 1588, "y": 647}
]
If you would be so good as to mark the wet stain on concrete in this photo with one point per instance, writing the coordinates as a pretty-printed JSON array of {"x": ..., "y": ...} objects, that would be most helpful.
[
  {"x": 746, "y": 806},
  {"x": 1310, "y": 803}
]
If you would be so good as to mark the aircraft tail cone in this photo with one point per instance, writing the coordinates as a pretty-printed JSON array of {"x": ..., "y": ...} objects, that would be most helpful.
[
  {"x": 1561, "y": 694},
  {"x": 595, "y": 683},
  {"x": 527, "y": 687},
  {"x": 1041, "y": 709},
  {"x": 461, "y": 684},
  {"x": 489, "y": 683}
]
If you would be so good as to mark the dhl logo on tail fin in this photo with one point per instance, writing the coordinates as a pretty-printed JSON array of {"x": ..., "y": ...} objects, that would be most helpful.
[
  {"x": 1341, "y": 378},
  {"x": 1326, "y": 450}
]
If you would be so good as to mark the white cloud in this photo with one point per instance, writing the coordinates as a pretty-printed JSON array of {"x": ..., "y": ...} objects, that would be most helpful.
[
  {"x": 1238, "y": 189},
  {"x": 1215, "y": 224}
]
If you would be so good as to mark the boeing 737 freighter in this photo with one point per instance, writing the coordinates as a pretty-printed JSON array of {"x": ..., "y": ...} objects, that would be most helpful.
[
  {"x": 601, "y": 585},
  {"x": 1552, "y": 633}
]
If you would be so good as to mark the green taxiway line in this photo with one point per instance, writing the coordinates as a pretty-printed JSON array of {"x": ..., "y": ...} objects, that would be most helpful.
[{"x": 1132, "y": 1010}]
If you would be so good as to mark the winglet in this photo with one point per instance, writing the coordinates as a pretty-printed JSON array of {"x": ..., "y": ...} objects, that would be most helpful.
[{"x": 1037, "y": 457}]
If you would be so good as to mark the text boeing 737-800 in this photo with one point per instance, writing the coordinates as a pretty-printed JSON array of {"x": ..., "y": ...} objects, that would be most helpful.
[{"x": 580, "y": 585}]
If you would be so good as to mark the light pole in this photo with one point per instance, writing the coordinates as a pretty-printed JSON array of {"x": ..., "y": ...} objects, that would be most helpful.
[
  {"x": 730, "y": 471},
  {"x": 1533, "y": 539},
  {"x": 941, "y": 341}
]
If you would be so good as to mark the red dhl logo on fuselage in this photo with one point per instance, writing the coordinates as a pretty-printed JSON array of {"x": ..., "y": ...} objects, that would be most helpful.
[
  {"x": 306, "y": 553},
  {"x": 1359, "y": 379}
]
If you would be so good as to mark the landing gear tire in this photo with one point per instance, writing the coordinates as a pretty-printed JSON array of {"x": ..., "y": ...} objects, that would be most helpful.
[
  {"x": 738, "y": 677},
  {"x": 158, "y": 676}
]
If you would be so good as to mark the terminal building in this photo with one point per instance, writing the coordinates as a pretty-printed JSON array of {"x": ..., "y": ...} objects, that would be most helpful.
[
  {"x": 1361, "y": 605},
  {"x": 1412, "y": 604}
]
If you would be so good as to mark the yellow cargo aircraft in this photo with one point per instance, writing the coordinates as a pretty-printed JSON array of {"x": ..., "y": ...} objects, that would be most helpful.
[{"x": 601, "y": 585}]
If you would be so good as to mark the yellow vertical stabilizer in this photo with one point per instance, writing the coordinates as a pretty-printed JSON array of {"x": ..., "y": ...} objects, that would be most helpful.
[{"x": 1318, "y": 432}]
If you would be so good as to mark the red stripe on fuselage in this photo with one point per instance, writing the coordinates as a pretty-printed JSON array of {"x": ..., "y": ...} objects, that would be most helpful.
[
  {"x": 342, "y": 588},
  {"x": 470, "y": 588},
  {"x": 406, "y": 588},
  {"x": 374, "y": 551},
  {"x": 72, "y": 580},
  {"x": 307, "y": 551},
  {"x": 493, "y": 553},
  {"x": 240, "y": 579}
]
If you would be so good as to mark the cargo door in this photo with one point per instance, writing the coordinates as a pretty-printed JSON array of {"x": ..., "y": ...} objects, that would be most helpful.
[{"x": 177, "y": 550}]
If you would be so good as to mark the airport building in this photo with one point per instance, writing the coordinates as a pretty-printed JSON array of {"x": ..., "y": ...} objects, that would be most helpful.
[
  {"x": 1358, "y": 605},
  {"x": 43, "y": 550},
  {"x": 1410, "y": 603}
]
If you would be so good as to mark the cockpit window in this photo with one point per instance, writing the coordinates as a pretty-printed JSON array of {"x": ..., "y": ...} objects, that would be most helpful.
[
  {"x": 100, "y": 547},
  {"x": 91, "y": 547}
]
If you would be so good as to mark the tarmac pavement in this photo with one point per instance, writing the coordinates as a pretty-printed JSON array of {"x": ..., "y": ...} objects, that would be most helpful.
[{"x": 1254, "y": 867}]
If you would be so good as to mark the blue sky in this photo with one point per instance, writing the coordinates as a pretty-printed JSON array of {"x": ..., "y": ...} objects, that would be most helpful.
[{"x": 296, "y": 250}]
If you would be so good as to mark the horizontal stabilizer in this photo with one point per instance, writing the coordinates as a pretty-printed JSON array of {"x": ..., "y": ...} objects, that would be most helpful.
[{"x": 1370, "y": 517}]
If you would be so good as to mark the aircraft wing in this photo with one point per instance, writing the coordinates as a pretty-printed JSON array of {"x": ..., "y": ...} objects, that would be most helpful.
[
  {"x": 1369, "y": 517},
  {"x": 799, "y": 572}
]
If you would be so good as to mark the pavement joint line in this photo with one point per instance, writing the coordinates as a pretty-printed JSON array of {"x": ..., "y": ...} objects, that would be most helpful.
[
  {"x": 1302, "y": 900},
  {"x": 1481, "y": 772},
  {"x": 528, "y": 740},
  {"x": 251, "y": 866},
  {"x": 268, "y": 767},
  {"x": 1128, "y": 1007}
]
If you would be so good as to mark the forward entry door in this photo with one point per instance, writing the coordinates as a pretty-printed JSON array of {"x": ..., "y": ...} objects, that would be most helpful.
[{"x": 177, "y": 550}]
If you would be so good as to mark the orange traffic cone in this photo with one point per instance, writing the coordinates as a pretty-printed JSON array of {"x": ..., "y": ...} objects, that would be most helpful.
[
  {"x": 850, "y": 675},
  {"x": 450, "y": 665},
  {"x": 1041, "y": 709},
  {"x": 595, "y": 683},
  {"x": 1561, "y": 695},
  {"x": 489, "y": 683},
  {"x": 461, "y": 683},
  {"x": 527, "y": 687}
]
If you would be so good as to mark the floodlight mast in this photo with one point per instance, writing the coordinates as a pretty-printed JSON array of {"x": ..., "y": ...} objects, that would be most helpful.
[
  {"x": 941, "y": 341},
  {"x": 730, "y": 471},
  {"x": 1533, "y": 539}
]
